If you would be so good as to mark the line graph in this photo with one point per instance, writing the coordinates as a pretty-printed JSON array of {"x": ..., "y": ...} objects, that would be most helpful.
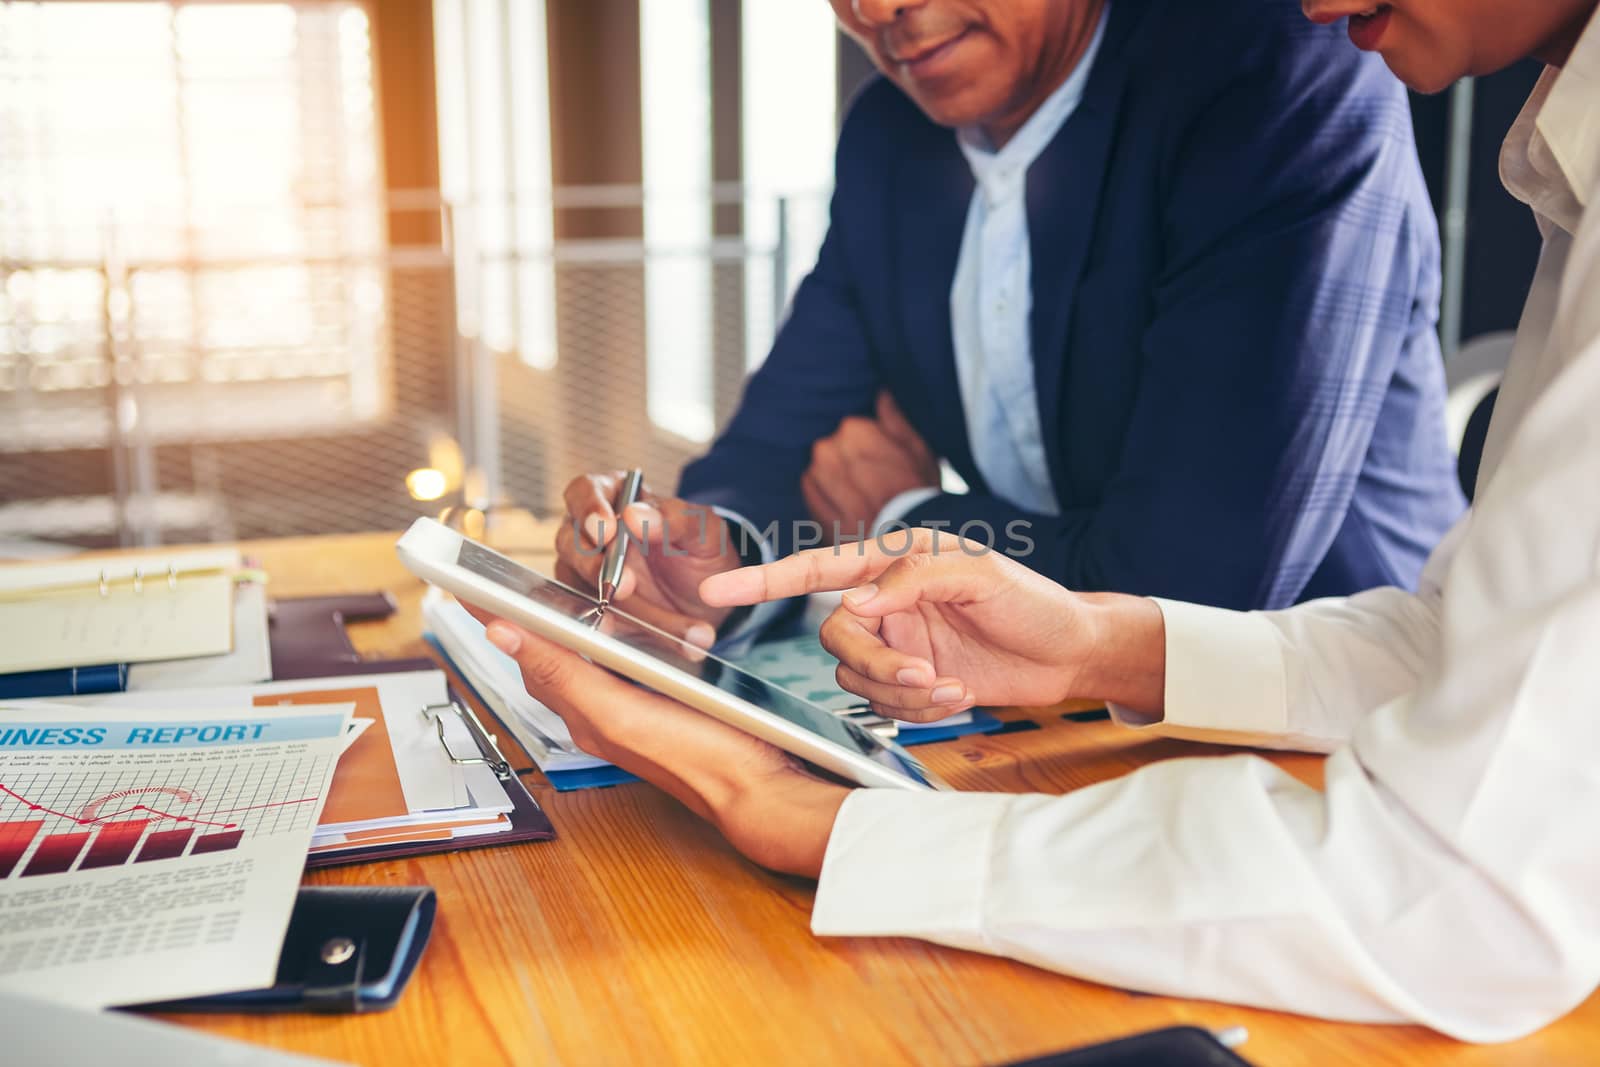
[
  {"x": 31, "y": 806},
  {"x": 98, "y": 811}
]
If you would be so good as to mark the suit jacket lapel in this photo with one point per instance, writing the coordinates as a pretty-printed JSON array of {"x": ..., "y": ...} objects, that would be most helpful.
[
  {"x": 932, "y": 190},
  {"x": 1064, "y": 188}
]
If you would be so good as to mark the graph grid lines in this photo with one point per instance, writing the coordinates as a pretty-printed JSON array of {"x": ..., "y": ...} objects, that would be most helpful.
[{"x": 55, "y": 818}]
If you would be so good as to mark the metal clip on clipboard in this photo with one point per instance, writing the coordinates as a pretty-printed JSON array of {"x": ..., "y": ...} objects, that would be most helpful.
[{"x": 488, "y": 750}]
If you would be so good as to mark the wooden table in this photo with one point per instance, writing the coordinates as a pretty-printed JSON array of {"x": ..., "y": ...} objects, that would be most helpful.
[{"x": 639, "y": 936}]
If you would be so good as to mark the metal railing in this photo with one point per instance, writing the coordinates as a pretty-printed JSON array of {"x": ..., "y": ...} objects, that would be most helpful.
[{"x": 148, "y": 437}]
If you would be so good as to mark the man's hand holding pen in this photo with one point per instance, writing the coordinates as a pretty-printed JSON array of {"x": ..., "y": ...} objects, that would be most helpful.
[{"x": 678, "y": 545}]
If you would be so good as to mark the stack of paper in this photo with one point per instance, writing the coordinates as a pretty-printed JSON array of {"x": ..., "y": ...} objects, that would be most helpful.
[
  {"x": 396, "y": 780},
  {"x": 159, "y": 621},
  {"x": 498, "y": 681}
]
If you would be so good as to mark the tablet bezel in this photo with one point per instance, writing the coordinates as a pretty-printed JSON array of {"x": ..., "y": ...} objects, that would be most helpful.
[{"x": 430, "y": 550}]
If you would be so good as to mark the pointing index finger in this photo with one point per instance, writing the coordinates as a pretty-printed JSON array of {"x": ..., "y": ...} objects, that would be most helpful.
[{"x": 819, "y": 570}]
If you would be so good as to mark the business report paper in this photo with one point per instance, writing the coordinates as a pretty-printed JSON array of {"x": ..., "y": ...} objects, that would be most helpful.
[{"x": 149, "y": 855}]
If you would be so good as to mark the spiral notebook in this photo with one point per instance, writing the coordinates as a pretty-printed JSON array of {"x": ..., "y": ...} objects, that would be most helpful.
[{"x": 129, "y": 610}]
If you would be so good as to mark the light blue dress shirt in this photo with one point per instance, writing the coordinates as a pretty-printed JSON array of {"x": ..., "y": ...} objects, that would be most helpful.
[{"x": 991, "y": 301}]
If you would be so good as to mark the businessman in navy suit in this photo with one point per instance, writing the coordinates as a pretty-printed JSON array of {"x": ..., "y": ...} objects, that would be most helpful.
[{"x": 1158, "y": 280}]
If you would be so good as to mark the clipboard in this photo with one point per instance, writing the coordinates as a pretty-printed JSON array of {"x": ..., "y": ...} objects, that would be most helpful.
[
  {"x": 528, "y": 820},
  {"x": 564, "y": 781}
]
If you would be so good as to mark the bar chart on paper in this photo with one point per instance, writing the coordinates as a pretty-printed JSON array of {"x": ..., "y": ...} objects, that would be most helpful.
[
  {"x": 57, "y": 818},
  {"x": 153, "y": 854}
]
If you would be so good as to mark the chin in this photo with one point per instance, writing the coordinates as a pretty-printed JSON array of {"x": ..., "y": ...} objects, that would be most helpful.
[
  {"x": 952, "y": 117},
  {"x": 1428, "y": 75},
  {"x": 960, "y": 106}
]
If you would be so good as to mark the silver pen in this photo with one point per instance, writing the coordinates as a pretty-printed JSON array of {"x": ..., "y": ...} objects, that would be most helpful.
[{"x": 617, "y": 552}]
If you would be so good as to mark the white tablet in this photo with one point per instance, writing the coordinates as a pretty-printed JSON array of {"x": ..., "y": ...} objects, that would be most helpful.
[{"x": 654, "y": 658}]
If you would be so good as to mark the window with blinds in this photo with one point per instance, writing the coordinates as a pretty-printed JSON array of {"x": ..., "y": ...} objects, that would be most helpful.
[{"x": 190, "y": 210}]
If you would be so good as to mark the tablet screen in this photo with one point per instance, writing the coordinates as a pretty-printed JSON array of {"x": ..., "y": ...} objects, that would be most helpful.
[{"x": 663, "y": 647}]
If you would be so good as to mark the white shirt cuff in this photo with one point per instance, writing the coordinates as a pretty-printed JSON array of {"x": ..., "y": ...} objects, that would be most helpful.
[
  {"x": 908, "y": 864},
  {"x": 1225, "y": 676},
  {"x": 901, "y": 505},
  {"x": 761, "y": 616}
]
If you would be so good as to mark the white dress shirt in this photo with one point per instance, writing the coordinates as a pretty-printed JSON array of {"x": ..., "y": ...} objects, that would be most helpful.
[
  {"x": 1449, "y": 872},
  {"x": 991, "y": 304}
]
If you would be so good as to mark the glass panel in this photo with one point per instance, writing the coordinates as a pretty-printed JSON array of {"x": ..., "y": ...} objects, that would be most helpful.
[
  {"x": 789, "y": 131},
  {"x": 675, "y": 48},
  {"x": 200, "y": 182}
]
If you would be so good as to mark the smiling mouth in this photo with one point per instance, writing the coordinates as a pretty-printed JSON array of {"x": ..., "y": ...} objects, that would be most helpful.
[
  {"x": 924, "y": 54},
  {"x": 1369, "y": 28}
]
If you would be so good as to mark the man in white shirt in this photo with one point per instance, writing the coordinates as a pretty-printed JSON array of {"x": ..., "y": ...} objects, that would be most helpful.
[
  {"x": 1448, "y": 872},
  {"x": 1157, "y": 280}
]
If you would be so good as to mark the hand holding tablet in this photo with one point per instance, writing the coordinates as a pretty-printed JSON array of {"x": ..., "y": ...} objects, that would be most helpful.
[
  {"x": 638, "y": 651},
  {"x": 762, "y": 799}
]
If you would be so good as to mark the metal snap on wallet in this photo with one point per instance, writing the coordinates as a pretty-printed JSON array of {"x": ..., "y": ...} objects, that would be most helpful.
[{"x": 348, "y": 949}]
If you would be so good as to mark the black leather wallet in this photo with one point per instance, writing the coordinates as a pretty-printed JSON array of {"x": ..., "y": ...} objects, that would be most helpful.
[
  {"x": 1176, "y": 1046},
  {"x": 348, "y": 949}
]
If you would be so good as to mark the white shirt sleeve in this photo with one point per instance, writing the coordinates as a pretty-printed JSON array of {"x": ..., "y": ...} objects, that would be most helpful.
[
  {"x": 1447, "y": 873},
  {"x": 1300, "y": 678}
]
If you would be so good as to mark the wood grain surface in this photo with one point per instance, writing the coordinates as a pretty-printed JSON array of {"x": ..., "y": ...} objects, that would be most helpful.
[{"x": 639, "y": 936}]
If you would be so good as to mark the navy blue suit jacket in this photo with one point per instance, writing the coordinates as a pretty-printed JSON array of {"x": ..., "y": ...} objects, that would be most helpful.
[{"x": 1235, "y": 288}]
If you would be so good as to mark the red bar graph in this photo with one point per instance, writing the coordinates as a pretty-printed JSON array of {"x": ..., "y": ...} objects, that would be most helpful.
[
  {"x": 115, "y": 844},
  {"x": 57, "y": 853},
  {"x": 222, "y": 842},
  {"x": 15, "y": 837},
  {"x": 165, "y": 845},
  {"x": 61, "y": 820}
]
